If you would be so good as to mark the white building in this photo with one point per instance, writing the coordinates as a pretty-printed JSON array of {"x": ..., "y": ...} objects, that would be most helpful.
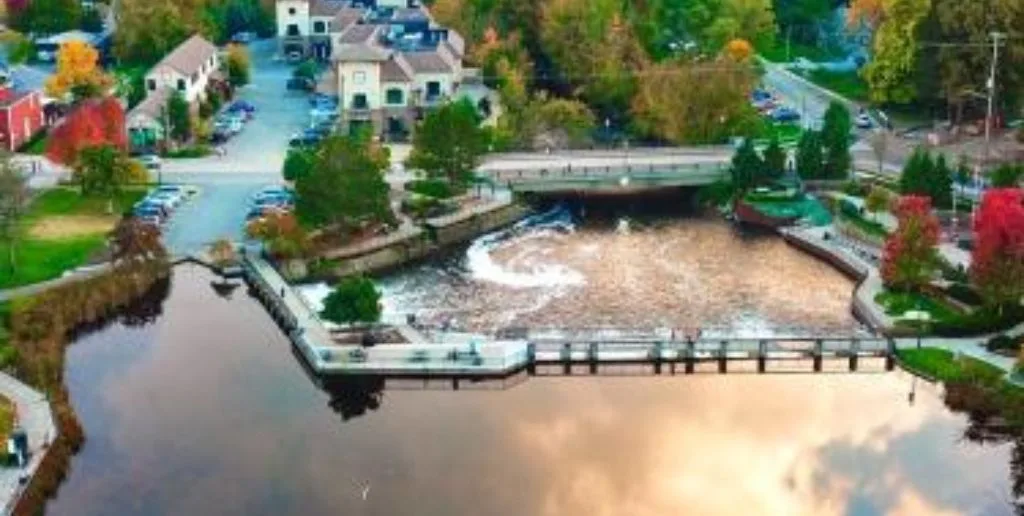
[
  {"x": 188, "y": 69},
  {"x": 389, "y": 60}
]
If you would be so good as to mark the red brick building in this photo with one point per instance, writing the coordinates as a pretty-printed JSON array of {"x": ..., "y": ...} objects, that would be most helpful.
[{"x": 21, "y": 116}]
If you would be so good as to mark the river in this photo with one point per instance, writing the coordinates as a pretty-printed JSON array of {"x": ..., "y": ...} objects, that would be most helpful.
[
  {"x": 206, "y": 410},
  {"x": 562, "y": 271}
]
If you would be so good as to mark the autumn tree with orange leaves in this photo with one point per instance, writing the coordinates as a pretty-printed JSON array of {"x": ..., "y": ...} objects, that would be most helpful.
[
  {"x": 78, "y": 73},
  {"x": 909, "y": 257},
  {"x": 92, "y": 123},
  {"x": 997, "y": 260}
]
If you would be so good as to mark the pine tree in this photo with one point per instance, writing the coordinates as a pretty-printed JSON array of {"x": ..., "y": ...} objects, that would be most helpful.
[
  {"x": 835, "y": 137},
  {"x": 774, "y": 160},
  {"x": 809, "y": 157},
  {"x": 746, "y": 169},
  {"x": 941, "y": 183}
]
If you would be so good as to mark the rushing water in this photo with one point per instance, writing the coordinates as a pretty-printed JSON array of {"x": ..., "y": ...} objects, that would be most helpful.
[
  {"x": 552, "y": 270},
  {"x": 208, "y": 411}
]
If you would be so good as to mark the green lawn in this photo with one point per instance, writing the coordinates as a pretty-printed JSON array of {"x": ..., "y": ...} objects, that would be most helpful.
[
  {"x": 40, "y": 259},
  {"x": 944, "y": 366},
  {"x": 870, "y": 227},
  {"x": 898, "y": 303},
  {"x": 848, "y": 84},
  {"x": 777, "y": 52},
  {"x": 37, "y": 145}
]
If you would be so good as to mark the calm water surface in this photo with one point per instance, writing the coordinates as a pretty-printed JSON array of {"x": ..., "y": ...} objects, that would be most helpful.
[{"x": 207, "y": 411}]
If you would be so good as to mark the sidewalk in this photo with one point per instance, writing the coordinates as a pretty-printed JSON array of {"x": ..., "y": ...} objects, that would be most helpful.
[{"x": 35, "y": 418}]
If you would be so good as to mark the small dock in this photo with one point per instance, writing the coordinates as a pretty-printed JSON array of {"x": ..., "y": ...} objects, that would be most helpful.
[{"x": 461, "y": 355}]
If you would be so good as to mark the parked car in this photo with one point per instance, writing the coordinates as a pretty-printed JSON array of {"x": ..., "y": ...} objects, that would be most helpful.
[
  {"x": 318, "y": 99},
  {"x": 785, "y": 114},
  {"x": 863, "y": 121},
  {"x": 150, "y": 161},
  {"x": 169, "y": 200},
  {"x": 760, "y": 95},
  {"x": 243, "y": 37},
  {"x": 228, "y": 125},
  {"x": 280, "y": 201},
  {"x": 220, "y": 136},
  {"x": 241, "y": 106},
  {"x": 150, "y": 212},
  {"x": 273, "y": 190},
  {"x": 305, "y": 139},
  {"x": 300, "y": 84}
]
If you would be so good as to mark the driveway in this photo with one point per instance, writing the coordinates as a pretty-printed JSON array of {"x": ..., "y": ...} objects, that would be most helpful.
[{"x": 253, "y": 160}]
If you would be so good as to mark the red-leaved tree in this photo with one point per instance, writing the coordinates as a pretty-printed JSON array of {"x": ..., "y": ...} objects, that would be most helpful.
[
  {"x": 91, "y": 123},
  {"x": 997, "y": 262},
  {"x": 909, "y": 256}
]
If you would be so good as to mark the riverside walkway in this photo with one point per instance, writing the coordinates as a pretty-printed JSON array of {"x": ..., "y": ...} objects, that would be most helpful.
[
  {"x": 35, "y": 417},
  {"x": 455, "y": 354}
]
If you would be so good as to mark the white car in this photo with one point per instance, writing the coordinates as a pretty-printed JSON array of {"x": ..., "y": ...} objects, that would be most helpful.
[
  {"x": 863, "y": 121},
  {"x": 150, "y": 161},
  {"x": 168, "y": 199}
]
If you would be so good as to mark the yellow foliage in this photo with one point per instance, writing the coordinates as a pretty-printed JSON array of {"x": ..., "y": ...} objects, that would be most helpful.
[
  {"x": 739, "y": 49},
  {"x": 866, "y": 11},
  {"x": 77, "y": 72}
]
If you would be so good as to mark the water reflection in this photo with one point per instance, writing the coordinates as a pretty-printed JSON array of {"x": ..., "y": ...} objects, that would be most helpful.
[{"x": 212, "y": 414}]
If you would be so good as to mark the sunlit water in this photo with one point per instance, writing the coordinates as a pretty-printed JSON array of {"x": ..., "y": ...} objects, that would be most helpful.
[
  {"x": 207, "y": 411},
  {"x": 665, "y": 272}
]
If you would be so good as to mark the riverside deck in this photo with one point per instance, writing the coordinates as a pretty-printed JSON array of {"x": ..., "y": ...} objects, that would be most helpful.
[{"x": 480, "y": 356}]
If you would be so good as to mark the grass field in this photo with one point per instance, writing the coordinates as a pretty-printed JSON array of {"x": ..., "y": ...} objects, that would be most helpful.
[
  {"x": 898, "y": 303},
  {"x": 777, "y": 52},
  {"x": 848, "y": 84},
  {"x": 944, "y": 366},
  {"x": 62, "y": 230}
]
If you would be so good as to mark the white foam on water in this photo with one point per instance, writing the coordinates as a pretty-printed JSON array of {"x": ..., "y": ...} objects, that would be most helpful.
[{"x": 552, "y": 224}]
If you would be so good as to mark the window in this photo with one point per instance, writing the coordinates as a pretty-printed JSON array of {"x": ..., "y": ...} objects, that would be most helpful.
[
  {"x": 293, "y": 30},
  {"x": 359, "y": 101},
  {"x": 181, "y": 85},
  {"x": 151, "y": 84},
  {"x": 319, "y": 27},
  {"x": 291, "y": 11},
  {"x": 433, "y": 89},
  {"x": 359, "y": 77},
  {"x": 195, "y": 77},
  {"x": 394, "y": 96}
]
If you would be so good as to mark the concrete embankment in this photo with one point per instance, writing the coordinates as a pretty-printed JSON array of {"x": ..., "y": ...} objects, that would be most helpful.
[
  {"x": 416, "y": 243},
  {"x": 814, "y": 242}
]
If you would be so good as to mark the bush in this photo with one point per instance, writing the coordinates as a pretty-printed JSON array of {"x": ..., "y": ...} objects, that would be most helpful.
[
  {"x": 436, "y": 188},
  {"x": 854, "y": 188},
  {"x": 425, "y": 207},
  {"x": 979, "y": 322},
  {"x": 963, "y": 293},
  {"x": 191, "y": 151},
  {"x": 1001, "y": 343}
]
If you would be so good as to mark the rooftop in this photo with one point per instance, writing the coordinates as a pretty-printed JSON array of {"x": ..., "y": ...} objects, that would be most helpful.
[{"x": 189, "y": 56}]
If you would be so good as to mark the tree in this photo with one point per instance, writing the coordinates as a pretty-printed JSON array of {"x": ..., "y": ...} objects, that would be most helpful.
[
  {"x": 835, "y": 138},
  {"x": 133, "y": 240},
  {"x": 739, "y": 50},
  {"x": 449, "y": 143},
  {"x": 13, "y": 197},
  {"x": 44, "y": 17},
  {"x": 810, "y": 160},
  {"x": 91, "y": 123},
  {"x": 909, "y": 256},
  {"x": 876, "y": 201},
  {"x": 751, "y": 20},
  {"x": 560, "y": 123},
  {"x": 354, "y": 300},
  {"x": 104, "y": 169},
  {"x": 282, "y": 234},
  {"x": 688, "y": 102},
  {"x": 237, "y": 64},
  {"x": 802, "y": 19},
  {"x": 1007, "y": 176},
  {"x": 929, "y": 176},
  {"x": 997, "y": 260},
  {"x": 890, "y": 74},
  {"x": 179, "y": 117},
  {"x": 78, "y": 73},
  {"x": 149, "y": 29},
  {"x": 941, "y": 183},
  {"x": 297, "y": 163},
  {"x": 747, "y": 169},
  {"x": 345, "y": 188},
  {"x": 774, "y": 159},
  {"x": 91, "y": 21}
]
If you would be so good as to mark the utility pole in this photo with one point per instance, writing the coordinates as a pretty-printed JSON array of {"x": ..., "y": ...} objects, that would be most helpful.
[{"x": 997, "y": 41}]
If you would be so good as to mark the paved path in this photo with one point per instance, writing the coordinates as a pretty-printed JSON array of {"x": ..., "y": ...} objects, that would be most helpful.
[{"x": 35, "y": 418}]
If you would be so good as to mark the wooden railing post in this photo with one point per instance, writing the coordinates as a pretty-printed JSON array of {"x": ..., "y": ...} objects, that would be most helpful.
[
  {"x": 762, "y": 356},
  {"x": 723, "y": 356},
  {"x": 854, "y": 353},
  {"x": 817, "y": 354}
]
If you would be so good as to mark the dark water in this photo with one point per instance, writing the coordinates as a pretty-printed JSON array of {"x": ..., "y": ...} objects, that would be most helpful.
[{"x": 207, "y": 411}]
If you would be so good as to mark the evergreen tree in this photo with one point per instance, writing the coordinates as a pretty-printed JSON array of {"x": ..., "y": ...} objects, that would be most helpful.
[
  {"x": 355, "y": 299},
  {"x": 941, "y": 183},
  {"x": 449, "y": 143},
  {"x": 774, "y": 160},
  {"x": 835, "y": 137},
  {"x": 178, "y": 117},
  {"x": 746, "y": 169},
  {"x": 809, "y": 157},
  {"x": 913, "y": 179}
]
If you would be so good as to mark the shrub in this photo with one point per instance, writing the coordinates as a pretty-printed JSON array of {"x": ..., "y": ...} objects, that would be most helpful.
[
  {"x": 436, "y": 188},
  {"x": 1000, "y": 343},
  {"x": 191, "y": 151},
  {"x": 963, "y": 293},
  {"x": 854, "y": 188},
  {"x": 979, "y": 322}
]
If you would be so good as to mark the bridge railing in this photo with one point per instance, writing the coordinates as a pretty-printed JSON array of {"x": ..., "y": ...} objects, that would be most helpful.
[{"x": 578, "y": 172}]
